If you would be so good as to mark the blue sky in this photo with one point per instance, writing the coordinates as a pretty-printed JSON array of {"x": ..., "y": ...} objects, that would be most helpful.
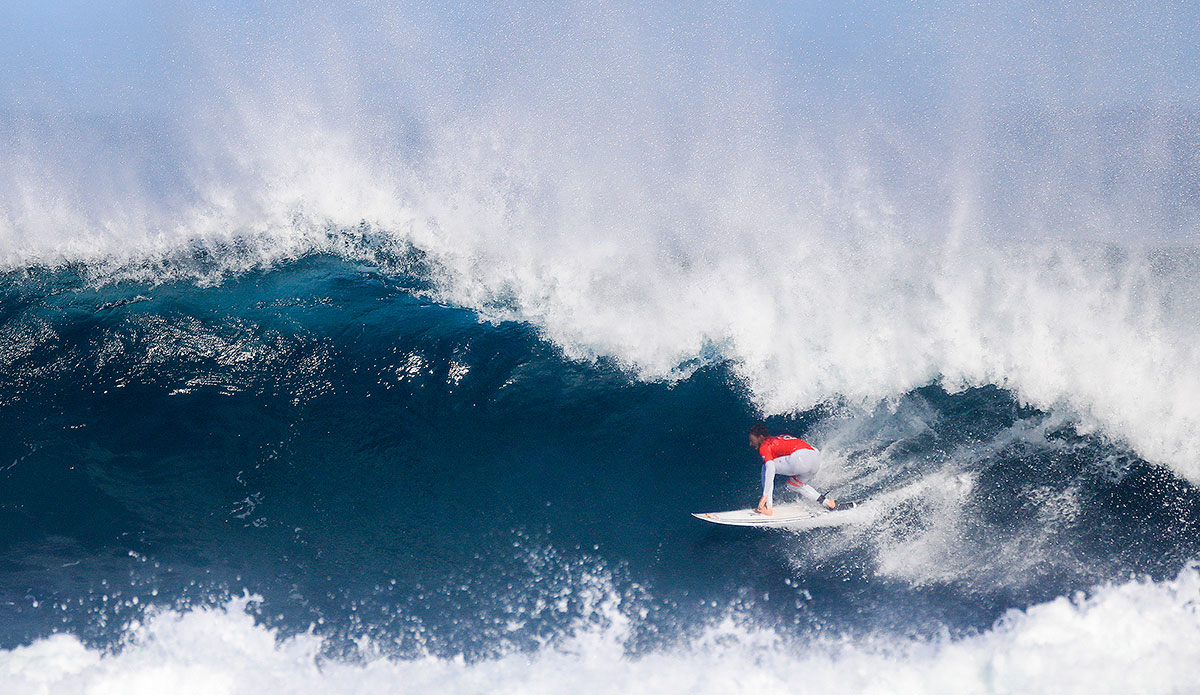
[{"x": 131, "y": 57}]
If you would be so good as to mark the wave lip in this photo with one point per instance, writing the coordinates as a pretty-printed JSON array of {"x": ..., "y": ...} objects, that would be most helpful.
[{"x": 1139, "y": 636}]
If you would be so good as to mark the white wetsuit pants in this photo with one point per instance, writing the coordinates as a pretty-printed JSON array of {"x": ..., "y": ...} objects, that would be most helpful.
[{"x": 800, "y": 466}]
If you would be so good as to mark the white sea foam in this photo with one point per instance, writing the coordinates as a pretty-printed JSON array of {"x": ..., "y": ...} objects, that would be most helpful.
[
  {"x": 1139, "y": 636},
  {"x": 655, "y": 193},
  {"x": 923, "y": 523}
]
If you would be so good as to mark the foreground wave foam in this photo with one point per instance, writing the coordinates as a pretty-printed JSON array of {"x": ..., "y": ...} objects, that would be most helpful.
[{"x": 1139, "y": 636}]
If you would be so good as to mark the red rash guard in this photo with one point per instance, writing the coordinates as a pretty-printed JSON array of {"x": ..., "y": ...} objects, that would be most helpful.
[{"x": 781, "y": 445}]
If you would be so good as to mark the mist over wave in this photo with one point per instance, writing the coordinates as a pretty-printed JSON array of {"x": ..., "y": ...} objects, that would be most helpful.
[{"x": 666, "y": 187}]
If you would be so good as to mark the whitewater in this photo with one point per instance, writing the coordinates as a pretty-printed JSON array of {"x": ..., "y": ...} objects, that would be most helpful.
[
  {"x": 1055, "y": 647},
  {"x": 378, "y": 349}
]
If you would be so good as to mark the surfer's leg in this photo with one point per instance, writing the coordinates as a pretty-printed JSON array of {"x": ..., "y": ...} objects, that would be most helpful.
[
  {"x": 803, "y": 465},
  {"x": 807, "y": 491}
]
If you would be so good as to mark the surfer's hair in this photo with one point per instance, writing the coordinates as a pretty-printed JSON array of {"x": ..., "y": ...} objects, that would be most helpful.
[{"x": 759, "y": 430}]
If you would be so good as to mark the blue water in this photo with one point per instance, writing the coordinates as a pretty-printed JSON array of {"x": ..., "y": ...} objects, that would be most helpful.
[
  {"x": 373, "y": 463},
  {"x": 383, "y": 348}
]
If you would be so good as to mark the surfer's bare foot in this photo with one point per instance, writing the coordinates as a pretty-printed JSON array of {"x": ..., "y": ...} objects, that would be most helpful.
[
  {"x": 764, "y": 510},
  {"x": 831, "y": 504}
]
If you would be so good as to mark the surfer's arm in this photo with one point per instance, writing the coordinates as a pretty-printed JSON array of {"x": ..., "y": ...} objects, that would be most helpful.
[{"x": 768, "y": 485}]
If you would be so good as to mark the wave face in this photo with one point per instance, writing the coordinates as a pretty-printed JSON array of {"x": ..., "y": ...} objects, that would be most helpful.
[
  {"x": 394, "y": 344},
  {"x": 411, "y": 493}
]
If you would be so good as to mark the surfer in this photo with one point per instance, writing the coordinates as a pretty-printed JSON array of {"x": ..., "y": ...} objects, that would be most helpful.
[{"x": 786, "y": 455}]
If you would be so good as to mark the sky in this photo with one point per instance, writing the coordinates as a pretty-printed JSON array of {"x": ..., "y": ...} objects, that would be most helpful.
[
  {"x": 130, "y": 57},
  {"x": 1053, "y": 118}
]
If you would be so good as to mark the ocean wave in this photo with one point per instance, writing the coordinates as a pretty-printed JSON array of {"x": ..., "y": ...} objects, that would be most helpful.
[
  {"x": 663, "y": 203},
  {"x": 1104, "y": 333}
]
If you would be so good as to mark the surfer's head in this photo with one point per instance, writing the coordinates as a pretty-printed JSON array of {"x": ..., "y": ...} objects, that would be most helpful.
[{"x": 757, "y": 434}]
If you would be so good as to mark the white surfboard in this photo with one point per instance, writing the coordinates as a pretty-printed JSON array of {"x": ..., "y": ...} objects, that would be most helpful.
[{"x": 794, "y": 515}]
